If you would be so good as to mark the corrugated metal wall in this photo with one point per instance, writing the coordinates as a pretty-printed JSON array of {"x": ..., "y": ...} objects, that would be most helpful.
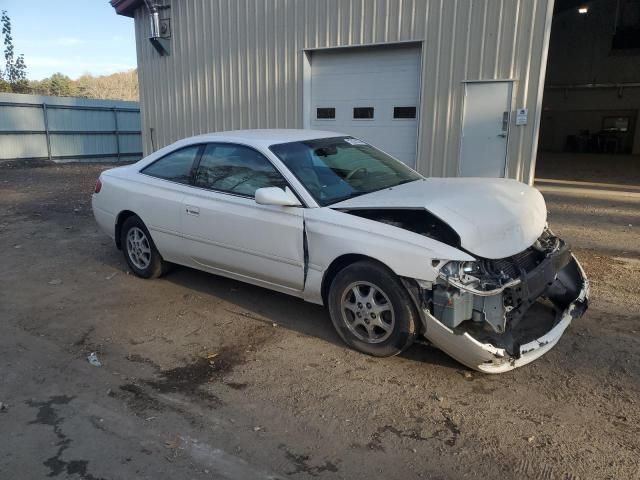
[
  {"x": 68, "y": 128},
  {"x": 239, "y": 64}
]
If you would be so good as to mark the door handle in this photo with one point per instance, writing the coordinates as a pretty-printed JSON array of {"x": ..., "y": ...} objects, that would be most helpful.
[
  {"x": 192, "y": 210},
  {"x": 505, "y": 125}
]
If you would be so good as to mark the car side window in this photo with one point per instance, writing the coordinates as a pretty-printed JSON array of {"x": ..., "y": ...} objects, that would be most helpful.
[
  {"x": 175, "y": 166},
  {"x": 236, "y": 169}
]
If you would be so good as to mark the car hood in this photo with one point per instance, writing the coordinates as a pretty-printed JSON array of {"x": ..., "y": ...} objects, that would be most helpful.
[{"x": 494, "y": 217}]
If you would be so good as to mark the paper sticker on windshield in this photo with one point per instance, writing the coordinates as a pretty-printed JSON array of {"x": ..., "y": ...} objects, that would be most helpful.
[{"x": 354, "y": 141}]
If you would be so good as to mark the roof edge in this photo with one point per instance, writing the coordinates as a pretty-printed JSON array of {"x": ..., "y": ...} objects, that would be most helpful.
[{"x": 126, "y": 7}]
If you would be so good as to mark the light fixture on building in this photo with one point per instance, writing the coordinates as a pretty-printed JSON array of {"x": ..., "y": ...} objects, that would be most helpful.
[{"x": 583, "y": 10}]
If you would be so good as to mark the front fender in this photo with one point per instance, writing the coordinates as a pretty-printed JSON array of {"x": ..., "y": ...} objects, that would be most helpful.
[{"x": 332, "y": 234}]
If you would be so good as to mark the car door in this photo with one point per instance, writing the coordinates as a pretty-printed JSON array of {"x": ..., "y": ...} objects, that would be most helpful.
[
  {"x": 226, "y": 231},
  {"x": 158, "y": 195}
]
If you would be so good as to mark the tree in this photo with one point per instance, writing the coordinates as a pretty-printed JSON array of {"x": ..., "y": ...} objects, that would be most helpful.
[
  {"x": 61, "y": 86},
  {"x": 13, "y": 78},
  {"x": 120, "y": 85},
  {"x": 117, "y": 86},
  {"x": 40, "y": 87}
]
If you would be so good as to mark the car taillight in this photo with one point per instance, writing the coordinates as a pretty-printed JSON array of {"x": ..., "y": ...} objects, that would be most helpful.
[{"x": 98, "y": 186}]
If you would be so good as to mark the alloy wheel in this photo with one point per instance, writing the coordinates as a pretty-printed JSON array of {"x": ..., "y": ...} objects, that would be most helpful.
[
  {"x": 138, "y": 248},
  {"x": 367, "y": 312}
]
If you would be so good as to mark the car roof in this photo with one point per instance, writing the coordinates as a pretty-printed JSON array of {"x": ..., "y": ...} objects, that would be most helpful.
[{"x": 267, "y": 137}]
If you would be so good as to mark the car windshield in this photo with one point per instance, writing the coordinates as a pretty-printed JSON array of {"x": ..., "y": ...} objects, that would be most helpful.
[{"x": 336, "y": 169}]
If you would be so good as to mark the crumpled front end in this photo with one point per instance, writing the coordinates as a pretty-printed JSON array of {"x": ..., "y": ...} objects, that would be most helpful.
[{"x": 496, "y": 315}]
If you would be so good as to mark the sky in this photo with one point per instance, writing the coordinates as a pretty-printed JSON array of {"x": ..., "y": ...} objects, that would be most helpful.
[{"x": 71, "y": 36}]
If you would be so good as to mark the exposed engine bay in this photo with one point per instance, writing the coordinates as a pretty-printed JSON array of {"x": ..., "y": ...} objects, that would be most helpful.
[
  {"x": 418, "y": 221},
  {"x": 505, "y": 302},
  {"x": 493, "y": 299}
]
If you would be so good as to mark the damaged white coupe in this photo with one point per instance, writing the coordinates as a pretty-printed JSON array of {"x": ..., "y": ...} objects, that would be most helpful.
[{"x": 467, "y": 263}]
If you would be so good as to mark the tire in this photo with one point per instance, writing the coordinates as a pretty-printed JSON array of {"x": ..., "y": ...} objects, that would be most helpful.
[
  {"x": 139, "y": 251},
  {"x": 387, "y": 325}
]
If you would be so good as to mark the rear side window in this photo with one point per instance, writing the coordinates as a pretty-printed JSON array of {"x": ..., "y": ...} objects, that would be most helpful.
[
  {"x": 236, "y": 169},
  {"x": 175, "y": 166}
]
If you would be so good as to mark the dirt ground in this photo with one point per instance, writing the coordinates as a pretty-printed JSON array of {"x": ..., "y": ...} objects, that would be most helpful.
[{"x": 204, "y": 377}]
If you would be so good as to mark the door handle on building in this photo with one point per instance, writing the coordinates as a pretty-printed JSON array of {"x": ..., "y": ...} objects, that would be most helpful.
[{"x": 505, "y": 125}]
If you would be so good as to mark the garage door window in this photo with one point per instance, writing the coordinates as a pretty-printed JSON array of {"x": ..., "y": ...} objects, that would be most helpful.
[
  {"x": 236, "y": 169},
  {"x": 325, "y": 113},
  {"x": 404, "y": 113},
  {"x": 176, "y": 166},
  {"x": 363, "y": 113}
]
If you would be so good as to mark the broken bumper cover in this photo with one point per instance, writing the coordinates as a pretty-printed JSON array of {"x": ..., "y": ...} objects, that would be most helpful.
[{"x": 488, "y": 358}]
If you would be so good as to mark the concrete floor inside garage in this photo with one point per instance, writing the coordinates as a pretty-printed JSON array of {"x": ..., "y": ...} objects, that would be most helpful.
[
  {"x": 585, "y": 190},
  {"x": 589, "y": 167},
  {"x": 204, "y": 377}
]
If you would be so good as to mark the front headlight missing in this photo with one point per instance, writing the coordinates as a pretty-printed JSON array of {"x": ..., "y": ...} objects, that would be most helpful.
[{"x": 459, "y": 269}]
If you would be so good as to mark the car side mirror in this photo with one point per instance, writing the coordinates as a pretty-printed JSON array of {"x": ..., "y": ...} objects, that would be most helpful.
[{"x": 276, "y": 196}]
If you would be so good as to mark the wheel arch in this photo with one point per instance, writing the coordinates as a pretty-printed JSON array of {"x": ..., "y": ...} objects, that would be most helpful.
[
  {"x": 343, "y": 261},
  {"x": 121, "y": 218},
  {"x": 340, "y": 263}
]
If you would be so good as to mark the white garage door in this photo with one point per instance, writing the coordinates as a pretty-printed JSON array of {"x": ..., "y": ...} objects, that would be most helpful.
[{"x": 370, "y": 93}]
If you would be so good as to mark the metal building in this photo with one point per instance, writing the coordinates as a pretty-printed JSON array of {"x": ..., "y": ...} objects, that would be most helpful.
[{"x": 451, "y": 87}]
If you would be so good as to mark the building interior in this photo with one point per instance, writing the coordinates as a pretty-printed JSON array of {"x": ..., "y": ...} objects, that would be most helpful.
[{"x": 590, "y": 123}]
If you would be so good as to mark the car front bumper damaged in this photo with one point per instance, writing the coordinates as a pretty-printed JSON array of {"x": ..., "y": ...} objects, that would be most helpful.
[{"x": 502, "y": 327}]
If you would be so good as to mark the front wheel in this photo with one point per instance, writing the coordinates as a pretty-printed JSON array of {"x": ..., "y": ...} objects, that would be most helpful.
[
  {"x": 371, "y": 310},
  {"x": 140, "y": 252}
]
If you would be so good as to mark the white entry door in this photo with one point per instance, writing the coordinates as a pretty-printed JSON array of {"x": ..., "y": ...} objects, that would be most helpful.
[
  {"x": 485, "y": 129},
  {"x": 372, "y": 93}
]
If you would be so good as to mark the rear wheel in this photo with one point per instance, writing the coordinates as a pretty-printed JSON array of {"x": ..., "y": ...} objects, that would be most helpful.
[
  {"x": 371, "y": 310},
  {"x": 140, "y": 252}
]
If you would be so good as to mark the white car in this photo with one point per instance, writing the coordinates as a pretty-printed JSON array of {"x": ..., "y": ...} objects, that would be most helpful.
[{"x": 468, "y": 263}]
